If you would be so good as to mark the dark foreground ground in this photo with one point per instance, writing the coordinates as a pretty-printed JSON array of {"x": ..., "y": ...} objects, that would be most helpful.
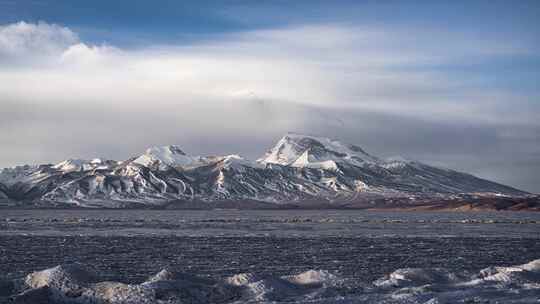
[
  {"x": 133, "y": 259},
  {"x": 268, "y": 256}
]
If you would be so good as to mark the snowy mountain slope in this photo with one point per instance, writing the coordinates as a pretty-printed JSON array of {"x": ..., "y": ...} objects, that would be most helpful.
[
  {"x": 352, "y": 164},
  {"x": 297, "y": 169},
  {"x": 318, "y": 152},
  {"x": 169, "y": 156},
  {"x": 71, "y": 165}
]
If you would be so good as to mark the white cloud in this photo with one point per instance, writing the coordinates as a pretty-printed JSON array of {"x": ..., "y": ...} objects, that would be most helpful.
[
  {"x": 83, "y": 54},
  {"x": 28, "y": 41},
  {"x": 325, "y": 65}
]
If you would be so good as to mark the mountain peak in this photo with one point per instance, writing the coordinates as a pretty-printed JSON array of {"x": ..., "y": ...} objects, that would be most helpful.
[
  {"x": 299, "y": 150},
  {"x": 166, "y": 156}
]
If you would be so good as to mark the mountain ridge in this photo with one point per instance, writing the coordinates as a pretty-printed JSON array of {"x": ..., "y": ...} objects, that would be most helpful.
[{"x": 298, "y": 170}]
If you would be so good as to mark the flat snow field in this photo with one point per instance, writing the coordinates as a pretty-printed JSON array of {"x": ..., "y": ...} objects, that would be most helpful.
[{"x": 289, "y": 256}]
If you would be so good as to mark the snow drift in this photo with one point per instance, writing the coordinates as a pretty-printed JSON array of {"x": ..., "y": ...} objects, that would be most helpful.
[{"x": 75, "y": 284}]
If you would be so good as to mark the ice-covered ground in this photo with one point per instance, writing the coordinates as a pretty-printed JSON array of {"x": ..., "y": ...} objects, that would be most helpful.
[
  {"x": 143, "y": 256},
  {"x": 74, "y": 284},
  {"x": 279, "y": 223}
]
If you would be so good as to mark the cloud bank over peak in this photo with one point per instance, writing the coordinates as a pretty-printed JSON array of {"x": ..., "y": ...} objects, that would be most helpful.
[{"x": 373, "y": 86}]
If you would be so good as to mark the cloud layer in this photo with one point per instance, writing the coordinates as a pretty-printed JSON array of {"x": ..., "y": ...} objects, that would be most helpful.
[{"x": 390, "y": 90}]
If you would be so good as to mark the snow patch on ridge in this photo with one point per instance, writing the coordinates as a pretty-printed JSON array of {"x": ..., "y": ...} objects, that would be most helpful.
[
  {"x": 168, "y": 156},
  {"x": 237, "y": 162},
  {"x": 70, "y": 165}
]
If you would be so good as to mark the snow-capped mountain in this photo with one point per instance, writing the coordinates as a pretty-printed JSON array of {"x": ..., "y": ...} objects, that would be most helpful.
[
  {"x": 298, "y": 169},
  {"x": 169, "y": 157},
  {"x": 303, "y": 151}
]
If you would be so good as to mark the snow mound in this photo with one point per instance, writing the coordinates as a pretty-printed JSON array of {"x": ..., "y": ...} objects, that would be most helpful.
[
  {"x": 526, "y": 275},
  {"x": 531, "y": 266},
  {"x": 168, "y": 275},
  {"x": 313, "y": 277},
  {"x": 309, "y": 284},
  {"x": 74, "y": 284},
  {"x": 62, "y": 277},
  {"x": 272, "y": 289},
  {"x": 114, "y": 292},
  {"x": 514, "y": 284},
  {"x": 243, "y": 279},
  {"x": 407, "y": 277}
]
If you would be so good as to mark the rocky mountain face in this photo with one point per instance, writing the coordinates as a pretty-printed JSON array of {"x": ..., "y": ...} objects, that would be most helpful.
[{"x": 299, "y": 169}]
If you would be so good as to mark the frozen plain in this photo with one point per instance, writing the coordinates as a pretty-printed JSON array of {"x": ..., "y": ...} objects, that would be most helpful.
[{"x": 289, "y": 256}]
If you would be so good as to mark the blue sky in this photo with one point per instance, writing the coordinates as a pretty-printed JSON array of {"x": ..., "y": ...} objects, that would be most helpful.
[
  {"x": 133, "y": 24},
  {"x": 451, "y": 83},
  {"x": 170, "y": 20}
]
